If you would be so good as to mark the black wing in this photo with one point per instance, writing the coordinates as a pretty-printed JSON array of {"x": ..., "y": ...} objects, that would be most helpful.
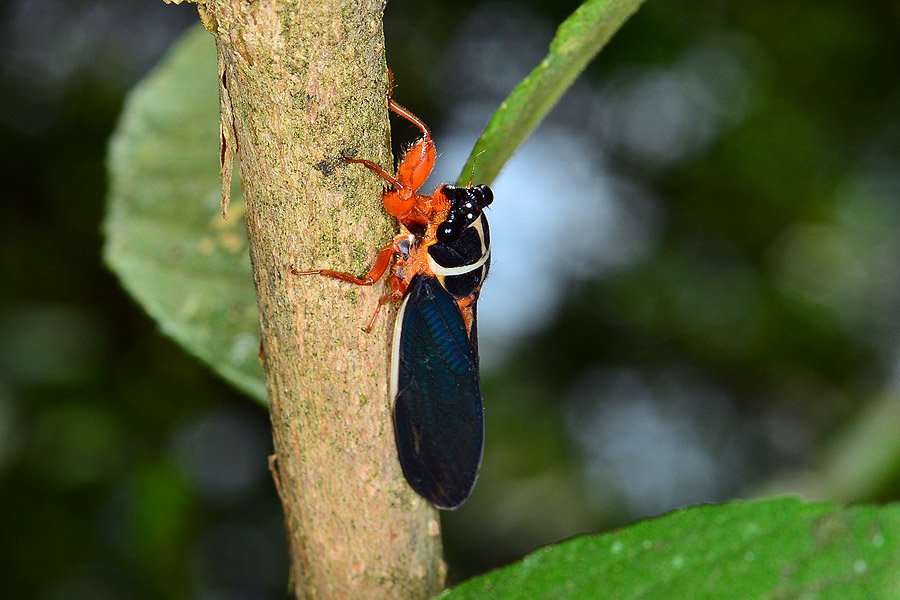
[{"x": 438, "y": 415}]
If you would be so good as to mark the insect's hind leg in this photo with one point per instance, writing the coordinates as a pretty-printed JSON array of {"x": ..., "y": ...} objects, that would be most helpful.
[
  {"x": 398, "y": 246},
  {"x": 398, "y": 290}
]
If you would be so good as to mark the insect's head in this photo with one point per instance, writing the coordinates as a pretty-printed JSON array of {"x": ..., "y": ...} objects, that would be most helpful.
[{"x": 466, "y": 204}]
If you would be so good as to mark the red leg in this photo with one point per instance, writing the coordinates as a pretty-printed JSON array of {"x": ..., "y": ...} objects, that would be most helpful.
[
  {"x": 381, "y": 302},
  {"x": 413, "y": 170},
  {"x": 376, "y": 168},
  {"x": 398, "y": 290},
  {"x": 406, "y": 114},
  {"x": 382, "y": 262},
  {"x": 417, "y": 162}
]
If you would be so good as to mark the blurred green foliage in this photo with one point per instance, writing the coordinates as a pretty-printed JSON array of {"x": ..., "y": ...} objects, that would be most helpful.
[{"x": 757, "y": 325}]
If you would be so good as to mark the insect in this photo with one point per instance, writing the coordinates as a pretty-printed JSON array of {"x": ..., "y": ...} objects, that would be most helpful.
[{"x": 439, "y": 260}]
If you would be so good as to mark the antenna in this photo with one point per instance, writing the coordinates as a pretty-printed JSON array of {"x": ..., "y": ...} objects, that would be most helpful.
[{"x": 472, "y": 170}]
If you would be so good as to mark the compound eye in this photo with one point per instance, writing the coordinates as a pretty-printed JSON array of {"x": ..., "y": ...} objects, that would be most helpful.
[
  {"x": 449, "y": 231},
  {"x": 486, "y": 195}
]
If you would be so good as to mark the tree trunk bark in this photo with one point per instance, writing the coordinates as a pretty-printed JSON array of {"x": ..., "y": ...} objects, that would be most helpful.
[{"x": 303, "y": 82}]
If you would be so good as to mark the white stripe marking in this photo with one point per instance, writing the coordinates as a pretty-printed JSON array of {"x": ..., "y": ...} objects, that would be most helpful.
[
  {"x": 451, "y": 271},
  {"x": 395, "y": 350}
]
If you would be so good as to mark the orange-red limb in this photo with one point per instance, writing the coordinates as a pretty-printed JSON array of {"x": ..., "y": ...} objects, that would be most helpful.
[
  {"x": 382, "y": 262},
  {"x": 406, "y": 114},
  {"x": 376, "y": 168},
  {"x": 418, "y": 161},
  {"x": 394, "y": 296},
  {"x": 415, "y": 166},
  {"x": 399, "y": 201},
  {"x": 465, "y": 307}
]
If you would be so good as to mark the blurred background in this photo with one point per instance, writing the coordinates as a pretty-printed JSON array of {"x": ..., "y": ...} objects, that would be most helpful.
[{"x": 694, "y": 295}]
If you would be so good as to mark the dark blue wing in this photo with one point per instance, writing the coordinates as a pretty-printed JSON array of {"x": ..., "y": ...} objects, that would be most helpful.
[{"x": 438, "y": 415}]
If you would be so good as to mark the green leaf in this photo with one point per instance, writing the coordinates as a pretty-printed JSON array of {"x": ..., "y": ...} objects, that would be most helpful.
[
  {"x": 781, "y": 548},
  {"x": 166, "y": 238},
  {"x": 578, "y": 39}
]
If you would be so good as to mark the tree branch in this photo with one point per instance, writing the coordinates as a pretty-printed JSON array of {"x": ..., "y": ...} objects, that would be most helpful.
[{"x": 305, "y": 81}]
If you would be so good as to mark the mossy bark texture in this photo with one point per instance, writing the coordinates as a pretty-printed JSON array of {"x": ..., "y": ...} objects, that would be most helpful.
[{"x": 302, "y": 83}]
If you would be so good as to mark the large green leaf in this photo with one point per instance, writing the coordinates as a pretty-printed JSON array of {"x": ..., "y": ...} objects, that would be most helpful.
[
  {"x": 778, "y": 549},
  {"x": 166, "y": 238}
]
